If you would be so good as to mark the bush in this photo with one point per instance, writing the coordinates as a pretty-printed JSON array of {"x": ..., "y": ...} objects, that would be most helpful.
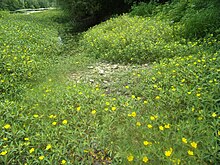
[{"x": 132, "y": 39}]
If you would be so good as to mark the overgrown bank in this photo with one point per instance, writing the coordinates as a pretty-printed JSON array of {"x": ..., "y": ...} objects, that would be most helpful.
[{"x": 164, "y": 113}]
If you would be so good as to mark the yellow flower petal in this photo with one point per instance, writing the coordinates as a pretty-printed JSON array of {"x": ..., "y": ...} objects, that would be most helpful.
[
  {"x": 7, "y": 126},
  {"x": 31, "y": 150},
  {"x": 64, "y": 122},
  {"x": 93, "y": 112},
  {"x": 190, "y": 153},
  {"x": 48, "y": 147},
  {"x": 184, "y": 140},
  {"x": 133, "y": 114},
  {"x": 130, "y": 158},
  {"x": 41, "y": 157},
  {"x": 54, "y": 123},
  {"x": 194, "y": 144},
  {"x": 138, "y": 124},
  {"x": 63, "y": 162},
  {"x": 145, "y": 159},
  {"x": 3, "y": 153}
]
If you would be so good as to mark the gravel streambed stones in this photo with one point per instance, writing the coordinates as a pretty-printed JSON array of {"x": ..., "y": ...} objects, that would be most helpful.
[{"x": 106, "y": 75}]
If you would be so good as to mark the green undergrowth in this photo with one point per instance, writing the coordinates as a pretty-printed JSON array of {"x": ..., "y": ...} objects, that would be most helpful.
[
  {"x": 166, "y": 113},
  {"x": 29, "y": 43},
  {"x": 197, "y": 18},
  {"x": 132, "y": 39}
]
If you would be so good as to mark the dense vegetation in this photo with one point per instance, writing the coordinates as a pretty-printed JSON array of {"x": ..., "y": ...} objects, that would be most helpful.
[
  {"x": 162, "y": 107},
  {"x": 21, "y": 4},
  {"x": 86, "y": 13},
  {"x": 23, "y": 50}
]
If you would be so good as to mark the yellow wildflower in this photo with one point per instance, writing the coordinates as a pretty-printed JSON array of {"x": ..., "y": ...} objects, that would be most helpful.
[
  {"x": 54, "y": 123},
  {"x": 167, "y": 126},
  {"x": 190, "y": 153},
  {"x": 48, "y": 147},
  {"x": 157, "y": 97},
  {"x": 93, "y": 112},
  {"x": 7, "y": 126},
  {"x": 200, "y": 118},
  {"x": 152, "y": 118},
  {"x": 147, "y": 143},
  {"x": 138, "y": 124},
  {"x": 214, "y": 114},
  {"x": 145, "y": 159},
  {"x": 184, "y": 140},
  {"x": 130, "y": 158},
  {"x": 36, "y": 116},
  {"x": 161, "y": 128},
  {"x": 113, "y": 108},
  {"x": 133, "y": 114},
  {"x": 78, "y": 108},
  {"x": 26, "y": 139},
  {"x": 31, "y": 150},
  {"x": 3, "y": 153},
  {"x": 64, "y": 122},
  {"x": 41, "y": 157},
  {"x": 194, "y": 144},
  {"x": 52, "y": 116},
  {"x": 149, "y": 126},
  {"x": 168, "y": 153},
  {"x": 63, "y": 162},
  {"x": 145, "y": 102}
]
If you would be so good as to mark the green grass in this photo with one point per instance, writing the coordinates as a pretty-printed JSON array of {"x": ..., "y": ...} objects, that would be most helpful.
[{"x": 166, "y": 113}]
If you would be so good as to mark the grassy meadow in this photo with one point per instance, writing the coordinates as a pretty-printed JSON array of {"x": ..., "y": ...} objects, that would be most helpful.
[{"x": 163, "y": 109}]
